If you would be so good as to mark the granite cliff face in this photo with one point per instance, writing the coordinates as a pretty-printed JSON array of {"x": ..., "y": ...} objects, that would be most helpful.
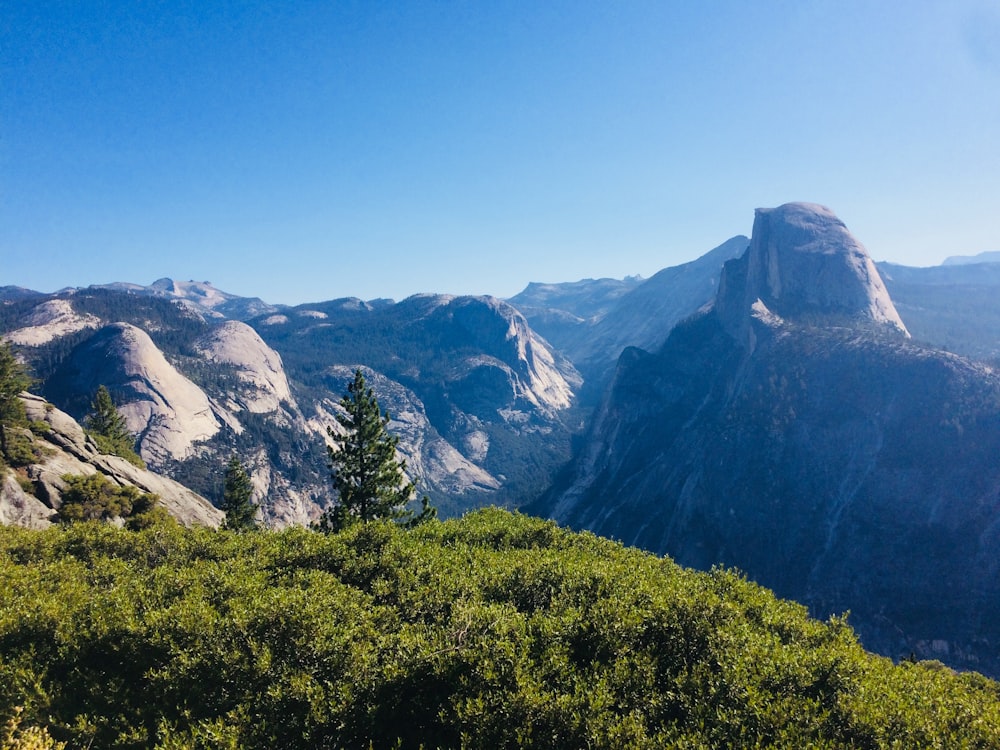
[
  {"x": 803, "y": 266},
  {"x": 169, "y": 412},
  {"x": 67, "y": 450},
  {"x": 592, "y": 323},
  {"x": 263, "y": 382},
  {"x": 795, "y": 432}
]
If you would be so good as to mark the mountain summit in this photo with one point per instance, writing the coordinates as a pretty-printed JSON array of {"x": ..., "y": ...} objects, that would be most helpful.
[
  {"x": 803, "y": 265},
  {"x": 794, "y": 430}
]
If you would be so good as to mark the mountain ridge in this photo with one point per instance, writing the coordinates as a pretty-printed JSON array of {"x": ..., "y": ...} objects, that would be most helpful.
[{"x": 817, "y": 449}]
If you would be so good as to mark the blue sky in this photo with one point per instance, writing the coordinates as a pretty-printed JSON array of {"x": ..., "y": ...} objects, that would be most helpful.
[{"x": 304, "y": 151}]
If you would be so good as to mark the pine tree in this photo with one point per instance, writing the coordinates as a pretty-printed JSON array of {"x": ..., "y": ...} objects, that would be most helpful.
[
  {"x": 237, "y": 498},
  {"x": 369, "y": 480},
  {"x": 13, "y": 379},
  {"x": 109, "y": 430}
]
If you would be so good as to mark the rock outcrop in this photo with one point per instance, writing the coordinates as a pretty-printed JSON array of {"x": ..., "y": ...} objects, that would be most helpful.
[
  {"x": 168, "y": 411},
  {"x": 67, "y": 450},
  {"x": 257, "y": 365},
  {"x": 804, "y": 266}
]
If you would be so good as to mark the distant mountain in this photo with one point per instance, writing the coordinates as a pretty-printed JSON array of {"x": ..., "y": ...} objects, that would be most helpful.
[
  {"x": 199, "y": 296},
  {"x": 990, "y": 256},
  {"x": 557, "y": 310},
  {"x": 14, "y": 293},
  {"x": 793, "y": 430},
  {"x": 484, "y": 408},
  {"x": 955, "y": 307},
  {"x": 485, "y": 382},
  {"x": 636, "y": 313}
]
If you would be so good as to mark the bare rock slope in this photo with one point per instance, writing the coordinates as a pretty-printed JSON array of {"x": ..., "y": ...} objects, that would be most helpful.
[{"x": 68, "y": 450}]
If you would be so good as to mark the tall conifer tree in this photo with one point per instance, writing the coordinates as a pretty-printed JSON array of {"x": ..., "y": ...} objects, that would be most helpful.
[
  {"x": 108, "y": 428},
  {"x": 369, "y": 480},
  {"x": 13, "y": 379},
  {"x": 237, "y": 498}
]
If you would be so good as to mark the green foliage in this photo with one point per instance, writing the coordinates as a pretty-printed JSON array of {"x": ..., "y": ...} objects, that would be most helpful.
[
  {"x": 237, "y": 498},
  {"x": 13, "y": 380},
  {"x": 15, "y": 737},
  {"x": 493, "y": 631},
  {"x": 95, "y": 498},
  {"x": 369, "y": 480},
  {"x": 108, "y": 429},
  {"x": 19, "y": 447}
]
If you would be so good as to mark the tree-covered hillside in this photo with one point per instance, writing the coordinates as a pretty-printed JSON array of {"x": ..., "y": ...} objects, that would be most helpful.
[{"x": 492, "y": 631}]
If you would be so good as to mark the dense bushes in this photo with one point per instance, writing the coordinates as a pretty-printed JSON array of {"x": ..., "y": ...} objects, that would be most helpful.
[
  {"x": 93, "y": 497},
  {"x": 495, "y": 630}
]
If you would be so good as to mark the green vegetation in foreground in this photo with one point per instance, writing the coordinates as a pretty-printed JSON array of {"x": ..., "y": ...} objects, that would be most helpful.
[{"x": 492, "y": 631}]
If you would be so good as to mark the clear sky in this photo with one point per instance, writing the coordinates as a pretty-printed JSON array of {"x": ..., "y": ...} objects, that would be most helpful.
[{"x": 302, "y": 151}]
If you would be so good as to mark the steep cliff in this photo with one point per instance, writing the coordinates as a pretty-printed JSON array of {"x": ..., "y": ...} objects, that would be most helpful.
[
  {"x": 165, "y": 408},
  {"x": 795, "y": 432}
]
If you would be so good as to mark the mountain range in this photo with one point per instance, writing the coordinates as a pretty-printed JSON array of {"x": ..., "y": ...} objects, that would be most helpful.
[{"x": 781, "y": 404}]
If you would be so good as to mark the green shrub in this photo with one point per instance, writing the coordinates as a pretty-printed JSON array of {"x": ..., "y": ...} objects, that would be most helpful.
[
  {"x": 15, "y": 737},
  {"x": 492, "y": 631},
  {"x": 94, "y": 497}
]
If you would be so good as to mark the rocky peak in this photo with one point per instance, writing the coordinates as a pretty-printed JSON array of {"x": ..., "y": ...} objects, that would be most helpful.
[
  {"x": 803, "y": 265},
  {"x": 258, "y": 365},
  {"x": 167, "y": 410}
]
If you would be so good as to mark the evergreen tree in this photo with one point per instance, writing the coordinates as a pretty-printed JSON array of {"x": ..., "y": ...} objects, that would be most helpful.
[
  {"x": 108, "y": 428},
  {"x": 13, "y": 379},
  {"x": 369, "y": 480},
  {"x": 237, "y": 497}
]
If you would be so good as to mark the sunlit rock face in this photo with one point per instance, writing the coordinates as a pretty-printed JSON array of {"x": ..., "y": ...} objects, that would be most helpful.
[
  {"x": 68, "y": 451},
  {"x": 168, "y": 412},
  {"x": 795, "y": 432},
  {"x": 49, "y": 321},
  {"x": 803, "y": 265},
  {"x": 258, "y": 366}
]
